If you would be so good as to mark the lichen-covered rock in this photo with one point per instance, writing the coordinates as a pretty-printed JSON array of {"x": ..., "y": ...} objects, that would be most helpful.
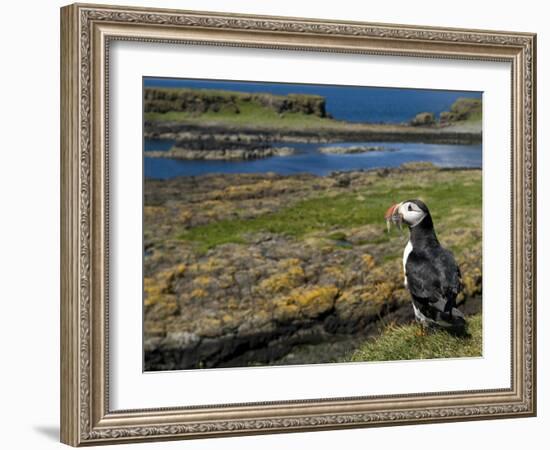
[
  {"x": 423, "y": 119},
  {"x": 259, "y": 298},
  {"x": 463, "y": 109},
  {"x": 353, "y": 149},
  {"x": 305, "y": 302},
  {"x": 222, "y": 153},
  {"x": 447, "y": 117}
]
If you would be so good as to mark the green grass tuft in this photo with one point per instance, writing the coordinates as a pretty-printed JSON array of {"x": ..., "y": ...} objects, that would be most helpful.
[
  {"x": 340, "y": 211},
  {"x": 249, "y": 115},
  {"x": 406, "y": 343},
  {"x": 468, "y": 109}
]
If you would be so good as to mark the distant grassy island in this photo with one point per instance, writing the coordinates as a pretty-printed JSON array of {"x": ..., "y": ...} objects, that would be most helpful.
[
  {"x": 231, "y": 107},
  {"x": 250, "y": 123}
]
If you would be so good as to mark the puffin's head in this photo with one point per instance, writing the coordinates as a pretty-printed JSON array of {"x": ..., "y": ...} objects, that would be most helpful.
[{"x": 410, "y": 212}]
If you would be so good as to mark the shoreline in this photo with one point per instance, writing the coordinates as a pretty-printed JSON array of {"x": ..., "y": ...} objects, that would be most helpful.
[
  {"x": 457, "y": 133},
  {"x": 418, "y": 166},
  {"x": 235, "y": 154}
]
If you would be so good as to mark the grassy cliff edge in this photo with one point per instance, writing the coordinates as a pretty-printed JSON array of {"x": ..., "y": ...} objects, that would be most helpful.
[
  {"x": 405, "y": 342},
  {"x": 170, "y": 112}
]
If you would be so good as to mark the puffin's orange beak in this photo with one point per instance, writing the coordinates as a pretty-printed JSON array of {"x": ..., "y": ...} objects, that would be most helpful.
[
  {"x": 389, "y": 213},
  {"x": 393, "y": 216}
]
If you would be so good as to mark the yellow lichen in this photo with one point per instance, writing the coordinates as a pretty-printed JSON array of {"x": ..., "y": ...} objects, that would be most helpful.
[
  {"x": 202, "y": 280},
  {"x": 472, "y": 282},
  {"x": 228, "y": 319},
  {"x": 281, "y": 282},
  {"x": 210, "y": 326},
  {"x": 368, "y": 261},
  {"x": 180, "y": 270},
  {"x": 184, "y": 216},
  {"x": 225, "y": 281},
  {"x": 285, "y": 311},
  {"x": 289, "y": 262},
  {"x": 350, "y": 296},
  {"x": 199, "y": 293},
  {"x": 232, "y": 303},
  {"x": 194, "y": 268},
  {"x": 378, "y": 292},
  {"x": 165, "y": 279},
  {"x": 159, "y": 296},
  {"x": 318, "y": 295},
  {"x": 150, "y": 212},
  {"x": 212, "y": 264},
  {"x": 209, "y": 266},
  {"x": 310, "y": 302},
  {"x": 153, "y": 329}
]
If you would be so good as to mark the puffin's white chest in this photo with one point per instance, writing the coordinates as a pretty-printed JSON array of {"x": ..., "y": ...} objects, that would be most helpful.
[{"x": 406, "y": 253}]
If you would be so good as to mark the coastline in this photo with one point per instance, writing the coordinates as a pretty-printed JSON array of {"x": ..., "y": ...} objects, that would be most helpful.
[
  {"x": 262, "y": 263},
  {"x": 335, "y": 131}
]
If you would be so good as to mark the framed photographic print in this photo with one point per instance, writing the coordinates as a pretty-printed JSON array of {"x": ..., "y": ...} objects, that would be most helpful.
[{"x": 276, "y": 224}]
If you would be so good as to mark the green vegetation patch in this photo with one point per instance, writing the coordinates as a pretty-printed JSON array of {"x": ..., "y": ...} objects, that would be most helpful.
[
  {"x": 407, "y": 342},
  {"x": 343, "y": 210},
  {"x": 250, "y": 115},
  {"x": 463, "y": 109},
  {"x": 235, "y": 108}
]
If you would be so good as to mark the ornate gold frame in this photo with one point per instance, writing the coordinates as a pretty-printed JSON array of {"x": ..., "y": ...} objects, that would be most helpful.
[{"x": 86, "y": 31}]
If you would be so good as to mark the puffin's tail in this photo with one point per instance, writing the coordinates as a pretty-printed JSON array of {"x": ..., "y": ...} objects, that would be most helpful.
[
  {"x": 448, "y": 317},
  {"x": 454, "y": 322}
]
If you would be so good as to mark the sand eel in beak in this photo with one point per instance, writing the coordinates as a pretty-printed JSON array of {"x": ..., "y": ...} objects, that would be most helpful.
[
  {"x": 432, "y": 275},
  {"x": 392, "y": 216}
]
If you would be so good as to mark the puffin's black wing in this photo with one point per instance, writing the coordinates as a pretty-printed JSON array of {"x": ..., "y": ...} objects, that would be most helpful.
[
  {"x": 433, "y": 276},
  {"x": 434, "y": 281},
  {"x": 423, "y": 279},
  {"x": 452, "y": 274}
]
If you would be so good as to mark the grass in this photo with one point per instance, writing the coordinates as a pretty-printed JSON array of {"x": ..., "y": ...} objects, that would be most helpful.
[
  {"x": 244, "y": 109},
  {"x": 474, "y": 117},
  {"x": 469, "y": 109},
  {"x": 250, "y": 115},
  {"x": 343, "y": 210},
  {"x": 239, "y": 109},
  {"x": 406, "y": 343}
]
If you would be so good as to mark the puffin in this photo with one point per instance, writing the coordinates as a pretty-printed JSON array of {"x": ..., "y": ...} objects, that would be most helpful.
[{"x": 431, "y": 273}]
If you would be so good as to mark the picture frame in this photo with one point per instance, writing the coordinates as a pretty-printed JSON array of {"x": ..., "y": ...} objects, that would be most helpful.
[{"x": 87, "y": 32}]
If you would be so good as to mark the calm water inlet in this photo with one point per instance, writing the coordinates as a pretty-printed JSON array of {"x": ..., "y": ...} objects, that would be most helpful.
[{"x": 308, "y": 159}]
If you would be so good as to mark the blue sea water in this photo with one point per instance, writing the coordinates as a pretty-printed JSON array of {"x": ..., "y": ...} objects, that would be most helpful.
[
  {"x": 308, "y": 159},
  {"x": 350, "y": 103}
]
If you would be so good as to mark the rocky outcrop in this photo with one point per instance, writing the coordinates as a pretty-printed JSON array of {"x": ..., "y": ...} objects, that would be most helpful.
[
  {"x": 464, "y": 109},
  {"x": 337, "y": 132},
  {"x": 254, "y": 303},
  {"x": 201, "y": 101},
  {"x": 224, "y": 154},
  {"x": 221, "y": 146},
  {"x": 423, "y": 119},
  {"x": 340, "y": 150},
  {"x": 268, "y": 296}
]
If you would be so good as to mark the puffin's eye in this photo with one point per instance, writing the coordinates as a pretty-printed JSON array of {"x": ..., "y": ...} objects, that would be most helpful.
[{"x": 410, "y": 207}]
